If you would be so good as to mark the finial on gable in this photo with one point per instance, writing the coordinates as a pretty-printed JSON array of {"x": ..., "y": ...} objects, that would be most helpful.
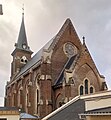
[
  {"x": 83, "y": 39},
  {"x": 68, "y": 20}
]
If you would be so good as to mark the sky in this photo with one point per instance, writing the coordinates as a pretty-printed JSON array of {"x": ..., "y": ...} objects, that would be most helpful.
[{"x": 44, "y": 18}]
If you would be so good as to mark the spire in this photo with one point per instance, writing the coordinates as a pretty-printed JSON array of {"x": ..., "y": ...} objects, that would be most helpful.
[{"x": 22, "y": 38}]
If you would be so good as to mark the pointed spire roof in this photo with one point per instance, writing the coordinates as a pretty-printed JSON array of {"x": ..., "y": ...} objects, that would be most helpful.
[{"x": 22, "y": 43}]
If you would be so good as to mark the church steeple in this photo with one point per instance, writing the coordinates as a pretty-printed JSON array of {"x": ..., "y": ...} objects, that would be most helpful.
[
  {"x": 22, "y": 43},
  {"x": 22, "y": 53}
]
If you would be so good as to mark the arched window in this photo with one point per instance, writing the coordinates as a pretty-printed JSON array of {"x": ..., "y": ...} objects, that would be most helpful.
[
  {"x": 13, "y": 100},
  {"x": 36, "y": 93},
  {"x": 58, "y": 100},
  {"x": 19, "y": 98},
  {"x": 86, "y": 86},
  {"x": 26, "y": 97},
  {"x": 37, "y": 99},
  {"x": 81, "y": 90},
  {"x": 91, "y": 90},
  {"x": 9, "y": 100}
]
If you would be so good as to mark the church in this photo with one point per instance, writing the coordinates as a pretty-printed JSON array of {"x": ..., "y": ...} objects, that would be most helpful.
[{"x": 58, "y": 72}]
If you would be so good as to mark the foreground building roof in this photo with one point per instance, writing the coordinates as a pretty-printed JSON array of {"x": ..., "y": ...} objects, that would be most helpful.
[{"x": 78, "y": 106}]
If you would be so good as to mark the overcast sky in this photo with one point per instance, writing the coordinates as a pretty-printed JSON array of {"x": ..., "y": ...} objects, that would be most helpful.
[{"x": 44, "y": 18}]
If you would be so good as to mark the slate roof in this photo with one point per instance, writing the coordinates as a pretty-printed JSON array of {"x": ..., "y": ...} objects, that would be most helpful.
[
  {"x": 69, "y": 111},
  {"x": 76, "y": 107},
  {"x": 67, "y": 66},
  {"x": 22, "y": 38}
]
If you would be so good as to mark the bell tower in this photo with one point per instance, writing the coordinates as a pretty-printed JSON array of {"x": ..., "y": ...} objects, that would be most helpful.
[{"x": 22, "y": 53}]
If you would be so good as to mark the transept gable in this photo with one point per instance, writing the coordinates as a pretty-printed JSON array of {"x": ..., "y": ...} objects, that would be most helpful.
[{"x": 86, "y": 59}]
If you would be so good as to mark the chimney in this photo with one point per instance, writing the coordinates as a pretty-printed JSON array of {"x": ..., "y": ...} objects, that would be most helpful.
[{"x": 1, "y": 11}]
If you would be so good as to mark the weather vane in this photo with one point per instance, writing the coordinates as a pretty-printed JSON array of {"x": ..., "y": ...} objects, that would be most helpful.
[{"x": 23, "y": 9}]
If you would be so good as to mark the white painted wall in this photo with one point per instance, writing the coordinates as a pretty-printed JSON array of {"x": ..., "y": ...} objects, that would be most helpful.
[
  {"x": 10, "y": 117},
  {"x": 98, "y": 103}
]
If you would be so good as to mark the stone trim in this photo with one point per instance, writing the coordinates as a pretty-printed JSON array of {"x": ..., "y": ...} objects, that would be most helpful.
[
  {"x": 48, "y": 77},
  {"x": 29, "y": 83},
  {"x": 40, "y": 102},
  {"x": 47, "y": 56},
  {"x": 42, "y": 77},
  {"x": 48, "y": 102}
]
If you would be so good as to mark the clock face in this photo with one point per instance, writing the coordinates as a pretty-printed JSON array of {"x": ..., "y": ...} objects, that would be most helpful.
[
  {"x": 70, "y": 49},
  {"x": 24, "y": 46}
]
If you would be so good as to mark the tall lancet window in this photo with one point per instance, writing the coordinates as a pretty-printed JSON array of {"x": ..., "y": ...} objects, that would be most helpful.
[
  {"x": 19, "y": 98},
  {"x": 26, "y": 97},
  {"x": 37, "y": 94},
  {"x": 81, "y": 90},
  {"x": 13, "y": 96},
  {"x": 13, "y": 100},
  {"x": 37, "y": 99},
  {"x": 91, "y": 89},
  {"x": 86, "y": 86},
  {"x": 8, "y": 100}
]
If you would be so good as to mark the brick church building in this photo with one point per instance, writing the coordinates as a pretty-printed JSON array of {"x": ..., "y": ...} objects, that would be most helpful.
[{"x": 58, "y": 72}]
